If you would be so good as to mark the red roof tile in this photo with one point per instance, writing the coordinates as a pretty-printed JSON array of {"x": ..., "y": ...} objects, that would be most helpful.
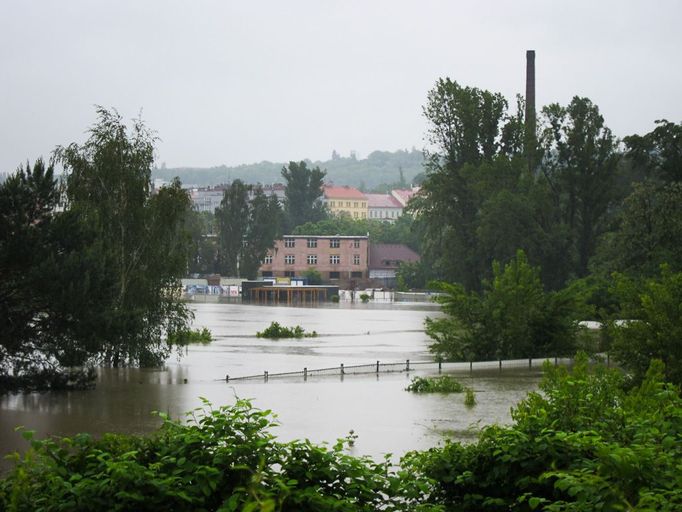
[
  {"x": 382, "y": 201},
  {"x": 343, "y": 193}
]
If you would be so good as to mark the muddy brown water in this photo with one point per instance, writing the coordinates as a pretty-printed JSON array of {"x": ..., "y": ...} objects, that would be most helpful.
[{"x": 386, "y": 418}]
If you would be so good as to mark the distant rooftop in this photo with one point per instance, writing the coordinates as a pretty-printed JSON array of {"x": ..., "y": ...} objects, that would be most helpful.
[
  {"x": 382, "y": 201},
  {"x": 404, "y": 195},
  {"x": 343, "y": 193},
  {"x": 389, "y": 256}
]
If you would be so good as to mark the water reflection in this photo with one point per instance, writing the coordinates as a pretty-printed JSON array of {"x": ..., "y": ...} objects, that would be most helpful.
[{"x": 386, "y": 418}]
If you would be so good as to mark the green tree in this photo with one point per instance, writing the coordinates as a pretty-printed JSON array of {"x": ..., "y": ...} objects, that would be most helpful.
[
  {"x": 652, "y": 326},
  {"x": 264, "y": 226},
  {"x": 649, "y": 232},
  {"x": 204, "y": 255},
  {"x": 108, "y": 188},
  {"x": 511, "y": 318},
  {"x": 302, "y": 200},
  {"x": 580, "y": 163},
  {"x": 232, "y": 217},
  {"x": 659, "y": 152}
]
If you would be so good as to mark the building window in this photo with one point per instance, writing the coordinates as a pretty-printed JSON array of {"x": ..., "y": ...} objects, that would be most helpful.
[
  {"x": 334, "y": 243},
  {"x": 289, "y": 273},
  {"x": 355, "y": 204},
  {"x": 332, "y": 204},
  {"x": 347, "y": 204},
  {"x": 356, "y": 243},
  {"x": 289, "y": 259},
  {"x": 267, "y": 260},
  {"x": 289, "y": 242},
  {"x": 312, "y": 259},
  {"x": 356, "y": 275},
  {"x": 267, "y": 273},
  {"x": 312, "y": 243},
  {"x": 333, "y": 275},
  {"x": 355, "y": 215},
  {"x": 356, "y": 259},
  {"x": 364, "y": 215},
  {"x": 334, "y": 259}
]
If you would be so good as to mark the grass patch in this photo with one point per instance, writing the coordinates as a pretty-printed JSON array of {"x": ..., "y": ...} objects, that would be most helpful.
[
  {"x": 442, "y": 384},
  {"x": 277, "y": 331}
]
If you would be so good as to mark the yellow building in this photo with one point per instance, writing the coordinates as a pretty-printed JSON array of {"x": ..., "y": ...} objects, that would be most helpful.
[{"x": 346, "y": 199}]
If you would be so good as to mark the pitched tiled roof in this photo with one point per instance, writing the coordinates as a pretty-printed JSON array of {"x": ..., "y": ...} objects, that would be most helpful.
[
  {"x": 404, "y": 195},
  {"x": 389, "y": 256},
  {"x": 382, "y": 201},
  {"x": 343, "y": 193}
]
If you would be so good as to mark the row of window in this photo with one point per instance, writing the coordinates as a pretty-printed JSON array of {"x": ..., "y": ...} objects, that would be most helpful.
[
  {"x": 334, "y": 243},
  {"x": 356, "y": 204},
  {"x": 332, "y": 275},
  {"x": 393, "y": 214},
  {"x": 334, "y": 259}
]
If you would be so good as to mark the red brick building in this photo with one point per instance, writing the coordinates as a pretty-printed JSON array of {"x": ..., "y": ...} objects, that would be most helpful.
[{"x": 339, "y": 259}]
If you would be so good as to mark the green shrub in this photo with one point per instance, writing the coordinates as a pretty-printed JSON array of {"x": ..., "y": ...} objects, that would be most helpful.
[
  {"x": 189, "y": 336},
  {"x": 469, "y": 397},
  {"x": 442, "y": 384},
  {"x": 334, "y": 298},
  {"x": 365, "y": 298},
  {"x": 277, "y": 331}
]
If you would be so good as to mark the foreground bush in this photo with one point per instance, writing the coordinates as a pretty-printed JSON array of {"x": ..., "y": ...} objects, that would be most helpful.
[{"x": 582, "y": 444}]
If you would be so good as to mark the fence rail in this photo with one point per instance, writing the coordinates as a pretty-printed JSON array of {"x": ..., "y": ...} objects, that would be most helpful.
[{"x": 404, "y": 366}]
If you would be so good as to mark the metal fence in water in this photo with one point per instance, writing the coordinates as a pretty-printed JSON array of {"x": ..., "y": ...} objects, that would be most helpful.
[{"x": 403, "y": 367}]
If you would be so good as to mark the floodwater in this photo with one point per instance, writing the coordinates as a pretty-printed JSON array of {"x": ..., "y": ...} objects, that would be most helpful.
[{"x": 386, "y": 418}]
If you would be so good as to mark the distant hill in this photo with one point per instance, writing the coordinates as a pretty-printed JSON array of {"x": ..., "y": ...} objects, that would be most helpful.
[{"x": 378, "y": 168}]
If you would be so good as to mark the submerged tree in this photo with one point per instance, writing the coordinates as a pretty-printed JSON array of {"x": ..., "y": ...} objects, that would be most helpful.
[{"x": 140, "y": 239}]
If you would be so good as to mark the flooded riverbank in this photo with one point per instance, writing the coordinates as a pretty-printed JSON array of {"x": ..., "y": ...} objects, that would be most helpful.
[{"x": 386, "y": 418}]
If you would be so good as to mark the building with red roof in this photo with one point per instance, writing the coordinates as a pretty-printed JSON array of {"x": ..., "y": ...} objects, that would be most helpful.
[{"x": 346, "y": 200}]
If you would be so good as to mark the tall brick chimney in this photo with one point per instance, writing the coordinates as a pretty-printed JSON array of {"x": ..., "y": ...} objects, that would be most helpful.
[{"x": 531, "y": 120}]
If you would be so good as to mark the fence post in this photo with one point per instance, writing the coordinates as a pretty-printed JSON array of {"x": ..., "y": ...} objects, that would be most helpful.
[
  {"x": 440, "y": 365},
  {"x": 227, "y": 378},
  {"x": 556, "y": 361},
  {"x": 377, "y": 367},
  {"x": 305, "y": 373},
  {"x": 407, "y": 365},
  {"x": 608, "y": 360},
  {"x": 530, "y": 363},
  {"x": 471, "y": 367},
  {"x": 342, "y": 372},
  {"x": 265, "y": 375},
  {"x": 500, "y": 364}
]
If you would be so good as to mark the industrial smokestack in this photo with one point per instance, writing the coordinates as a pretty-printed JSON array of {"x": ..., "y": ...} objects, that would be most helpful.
[{"x": 531, "y": 141}]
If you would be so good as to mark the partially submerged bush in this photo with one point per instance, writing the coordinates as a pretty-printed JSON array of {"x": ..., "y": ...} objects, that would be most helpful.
[
  {"x": 276, "y": 331},
  {"x": 469, "y": 397},
  {"x": 189, "y": 336},
  {"x": 442, "y": 384}
]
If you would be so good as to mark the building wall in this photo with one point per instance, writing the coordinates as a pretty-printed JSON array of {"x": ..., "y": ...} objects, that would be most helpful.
[
  {"x": 385, "y": 213},
  {"x": 356, "y": 208},
  {"x": 352, "y": 253}
]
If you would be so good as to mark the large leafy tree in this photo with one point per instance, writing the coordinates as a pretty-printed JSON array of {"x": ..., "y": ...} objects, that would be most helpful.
[
  {"x": 247, "y": 228},
  {"x": 302, "y": 201},
  {"x": 580, "y": 164},
  {"x": 659, "y": 151},
  {"x": 512, "y": 317},
  {"x": 108, "y": 188}
]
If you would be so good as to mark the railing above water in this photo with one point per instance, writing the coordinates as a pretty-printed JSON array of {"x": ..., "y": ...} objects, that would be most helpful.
[{"x": 405, "y": 367}]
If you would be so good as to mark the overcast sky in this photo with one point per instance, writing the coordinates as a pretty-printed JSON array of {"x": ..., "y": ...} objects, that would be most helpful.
[{"x": 226, "y": 82}]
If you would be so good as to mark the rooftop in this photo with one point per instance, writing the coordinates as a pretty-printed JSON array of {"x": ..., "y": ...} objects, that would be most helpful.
[
  {"x": 382, "y": 201},
  {"x": 404, "y": 195},
  {"x": 390, "y": 255},
  {"x": 345, "y": 192}
]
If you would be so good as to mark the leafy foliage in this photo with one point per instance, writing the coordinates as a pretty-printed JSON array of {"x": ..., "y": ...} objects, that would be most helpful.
[
  {"x": 189, "y": 336},
  {"x": 441, "y": 384},
  {"x": 513, "y": 317},
  {"x": 582, "y": 444},
  {"x": 653, "y": 324},
  {"x": 277, "y": 331},
  {"x": 303, "y": 195}
]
